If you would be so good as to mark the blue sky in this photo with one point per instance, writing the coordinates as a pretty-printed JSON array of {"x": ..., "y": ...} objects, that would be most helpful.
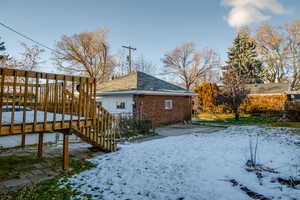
[{"x": 154, "y": 27}]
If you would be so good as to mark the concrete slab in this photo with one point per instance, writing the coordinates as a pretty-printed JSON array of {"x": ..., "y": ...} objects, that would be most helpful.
[
  {"x": 182, "y": 129},
  {"x": 15, "y": 182},
  {"x": 148, "y": 139}
]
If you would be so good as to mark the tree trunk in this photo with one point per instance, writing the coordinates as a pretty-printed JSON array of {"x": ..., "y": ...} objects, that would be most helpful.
[{"x": 237, "y": 115}]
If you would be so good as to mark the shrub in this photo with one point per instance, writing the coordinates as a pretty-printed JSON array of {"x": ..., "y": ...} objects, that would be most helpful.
[
  {"x": 264, "y": 103},
  {"x": 292, "y": 106},
  {"x": 223, "y": 108},
  {"x": 129, "y": 126},
  {"x": 205, "y": 99}
]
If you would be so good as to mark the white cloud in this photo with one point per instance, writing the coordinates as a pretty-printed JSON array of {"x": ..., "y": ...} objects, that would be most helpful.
[{"x": 246, "y": 12}]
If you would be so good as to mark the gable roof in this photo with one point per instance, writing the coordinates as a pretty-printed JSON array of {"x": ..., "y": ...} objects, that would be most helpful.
[
  {"x": 147, "y": 82},
  {"x": 139, "y": 81},
  {"x": 268, "y": 88}
]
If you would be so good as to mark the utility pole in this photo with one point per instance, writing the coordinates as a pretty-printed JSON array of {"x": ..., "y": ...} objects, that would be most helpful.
[{"x": 129, "y": 56}]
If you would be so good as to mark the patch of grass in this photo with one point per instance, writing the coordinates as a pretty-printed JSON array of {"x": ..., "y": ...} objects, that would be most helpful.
[
  {"x": 218, "y": 116},
  {"x": 9, "y": 164},
  {"x": 249, "y": 120},
  {"x": 53, "y": 189},
  {"x": 287, "y": 124}
]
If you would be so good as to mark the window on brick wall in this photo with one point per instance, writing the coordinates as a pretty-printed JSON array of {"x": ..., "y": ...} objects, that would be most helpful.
[
  {"x": 120, "y": 105},
  {"x": 168, "y": 104}
]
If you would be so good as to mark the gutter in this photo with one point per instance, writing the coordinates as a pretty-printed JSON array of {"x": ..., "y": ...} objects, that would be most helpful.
[{"x": 145, "y": 92}]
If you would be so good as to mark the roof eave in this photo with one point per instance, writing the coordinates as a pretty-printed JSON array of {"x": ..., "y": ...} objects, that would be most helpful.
[{"x": 145, "y": 92}]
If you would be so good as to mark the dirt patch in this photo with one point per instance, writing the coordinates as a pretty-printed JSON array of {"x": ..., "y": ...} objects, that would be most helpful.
[{"x": 20, "y": 167}]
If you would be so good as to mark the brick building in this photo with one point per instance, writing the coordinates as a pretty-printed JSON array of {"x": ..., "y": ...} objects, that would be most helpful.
[{"x": 146, "y": 97}]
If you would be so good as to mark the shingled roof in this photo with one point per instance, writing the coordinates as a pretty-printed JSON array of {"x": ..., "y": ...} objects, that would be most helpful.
[
  {"x": 268, "y": 88},
  {"x": 139, "y": 81}
]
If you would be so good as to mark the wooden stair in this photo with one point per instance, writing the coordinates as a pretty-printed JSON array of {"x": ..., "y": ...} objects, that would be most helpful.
[
  {"x": 40, "y": 102},
  {"x": 101, "y": 133},
  {"x": 103, "y": 141}
]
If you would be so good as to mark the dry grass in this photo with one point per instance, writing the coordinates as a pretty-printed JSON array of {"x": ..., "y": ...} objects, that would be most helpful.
[
  {"x": 208, "y": 116},
  {"x": 228, "y": 119}
]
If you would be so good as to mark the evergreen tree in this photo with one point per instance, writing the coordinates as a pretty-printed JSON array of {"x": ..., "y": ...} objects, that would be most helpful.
[
  {"x": 2, "y": 48},
  {"x": 242, "y": 57}
]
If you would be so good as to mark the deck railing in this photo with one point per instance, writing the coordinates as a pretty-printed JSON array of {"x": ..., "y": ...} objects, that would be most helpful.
[
  {"x": 35, "y": 102},
  {"x": 41, "y": 98}
]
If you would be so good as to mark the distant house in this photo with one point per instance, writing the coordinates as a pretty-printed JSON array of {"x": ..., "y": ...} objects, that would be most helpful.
[
  {"x": 268, "y": 89},
  {"x": 146, "y": 97},
  {"x": 271, "y": 99}
]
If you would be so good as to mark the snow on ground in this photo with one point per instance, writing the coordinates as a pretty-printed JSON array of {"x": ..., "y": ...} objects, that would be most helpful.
[
  {"x": 11, "y": 141},
  {"x": 15, "y": 140},
  {"x": 194, "y": 167},
  {"x": 18, "y": 117}
]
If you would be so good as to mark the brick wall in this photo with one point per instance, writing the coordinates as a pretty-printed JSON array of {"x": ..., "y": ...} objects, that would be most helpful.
[{"x": 153, "y": 108}]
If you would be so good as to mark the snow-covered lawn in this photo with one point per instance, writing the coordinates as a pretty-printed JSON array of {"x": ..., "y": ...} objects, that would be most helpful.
[
  {"x": 195, "y": 167},
  {"x": 18, "y": 117}
]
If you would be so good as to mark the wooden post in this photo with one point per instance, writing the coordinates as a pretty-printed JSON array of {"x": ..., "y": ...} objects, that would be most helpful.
[
  {"x": 13, "y": 103},
  {"x": 40, "y": 145},
  {"x": 1, "y": 94},
  {"x": 25, "y": 102},
  {"x": 37, "y": 82},
  {"x": 66, "y": 151},
  {"x": 46, "y": 101},
  {"x": 23, "y": 141}
]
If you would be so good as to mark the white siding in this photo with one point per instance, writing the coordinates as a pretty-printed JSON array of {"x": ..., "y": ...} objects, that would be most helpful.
[{"x": 110, "y": 103}]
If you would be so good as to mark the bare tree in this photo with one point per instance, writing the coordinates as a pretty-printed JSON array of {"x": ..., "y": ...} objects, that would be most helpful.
[
  {"x": 140, "y": 64},
  {"x": 85, "y": 53},
  {"x": 271, "y": 48},
  {"x": 190, "y": 65},
  {"x": 292, "y": 30},
  {"x": 30, "y": 58},
  {"x": 234, "y": 91},
  {"x": 121, "y": 68},
  {"x": 144, "y": 65}
]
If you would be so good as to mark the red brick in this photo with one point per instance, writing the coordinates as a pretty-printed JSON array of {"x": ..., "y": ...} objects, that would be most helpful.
[{"x": 152, "y": 107}]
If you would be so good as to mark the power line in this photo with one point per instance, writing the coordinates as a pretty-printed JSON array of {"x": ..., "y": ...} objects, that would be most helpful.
[{"x": 28, "y": 38}]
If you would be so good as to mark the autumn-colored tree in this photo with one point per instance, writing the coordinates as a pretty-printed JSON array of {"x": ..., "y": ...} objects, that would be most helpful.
[
  {"x": 206, "y": 96},
  {"x": 86, "y": 53},
  {"x": 234, "y": 91},
  {"x": 190, "y": 65},
  {"x": 271, "y": 48}
]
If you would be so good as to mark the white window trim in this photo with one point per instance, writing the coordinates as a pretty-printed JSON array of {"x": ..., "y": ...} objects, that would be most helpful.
[{"x": 168, "y": 104}]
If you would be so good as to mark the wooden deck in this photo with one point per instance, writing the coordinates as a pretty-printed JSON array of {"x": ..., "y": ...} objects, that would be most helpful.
[{"x": 35, "y": 102}]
